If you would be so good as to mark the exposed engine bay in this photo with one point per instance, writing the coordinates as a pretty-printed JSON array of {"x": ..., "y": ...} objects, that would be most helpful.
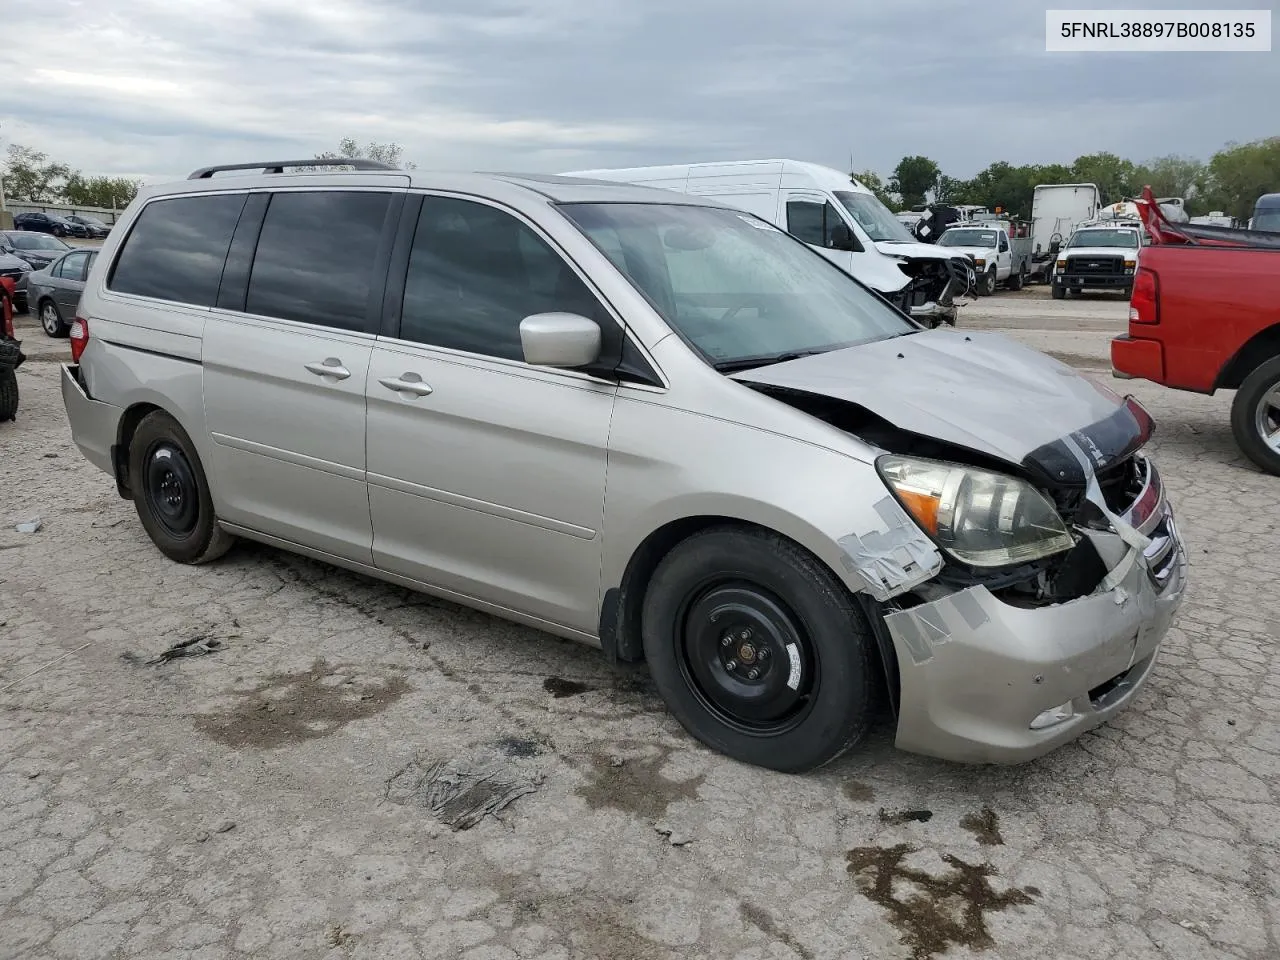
[{"x": 935, "y": 281}]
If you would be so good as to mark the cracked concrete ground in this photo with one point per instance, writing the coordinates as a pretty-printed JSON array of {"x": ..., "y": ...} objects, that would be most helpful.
[{"x": 282, "y": 796}]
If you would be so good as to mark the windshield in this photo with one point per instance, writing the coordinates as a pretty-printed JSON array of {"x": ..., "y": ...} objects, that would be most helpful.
[
  {"x": 874, "y": 217},
  {"x": 968, "y": 238},
  {"x": 1104, "y": 238},
  {"x": 741, "y": 291},
  {"x": 36, "y": 241},
  {"x": 1267, "y": 220}
]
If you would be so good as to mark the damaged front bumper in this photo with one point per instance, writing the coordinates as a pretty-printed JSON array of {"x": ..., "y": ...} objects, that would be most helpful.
[{"x": 985, "y": 681}]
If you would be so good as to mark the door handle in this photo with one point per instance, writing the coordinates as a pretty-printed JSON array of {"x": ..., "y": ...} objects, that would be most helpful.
[
  {"x": 410, "y": 383},
  {"x": 332, "y": 367}
]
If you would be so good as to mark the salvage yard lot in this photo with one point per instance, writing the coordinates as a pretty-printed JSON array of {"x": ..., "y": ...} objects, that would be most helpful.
[{"x": 291, "y": 792}]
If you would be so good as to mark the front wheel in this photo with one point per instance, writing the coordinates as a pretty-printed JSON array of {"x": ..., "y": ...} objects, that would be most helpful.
[
  {"x": 171, "y": 492},
  {"x": 987, "y": 285},
  {"x": 8, "y": 394},
  {"x": 51, "y": 320},
  {"x": 1255, "y": 416},
  {"x": 1059, "y": 291},
  {"x": 758, "y": 650}
]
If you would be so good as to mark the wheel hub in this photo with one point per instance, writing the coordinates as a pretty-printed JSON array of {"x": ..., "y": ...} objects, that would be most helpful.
[
  {"x": 169, "y": 486},
  {"x": 1267, "y": 418}
]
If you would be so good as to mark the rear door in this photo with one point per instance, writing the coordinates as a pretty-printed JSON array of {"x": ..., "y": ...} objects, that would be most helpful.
[
  {"x": 486, "y": 474},
  {"x": 286, "y": 353},
  {"x": 70, "y": 282}
]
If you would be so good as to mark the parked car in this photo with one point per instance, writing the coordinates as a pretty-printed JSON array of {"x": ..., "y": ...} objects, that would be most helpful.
[
  {"x": 38, "y": 249},
  {"x": 643, "y": 420},
  {"x": 11, "y": 356},
  {"x": 997, "y": 258},
  {"x": 56, "y": 290},
  {"x": 52, "y": 223},
  {"x": 1205, "y": 316},
  {"x": 15, "y": 270},
  {"x": 1098, "y": 258},
  {"x": 95, "y": 229}
]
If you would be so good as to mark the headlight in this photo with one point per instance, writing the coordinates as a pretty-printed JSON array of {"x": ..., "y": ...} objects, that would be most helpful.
[
  {"x": 982, "y": 519},
  {"x": 979, "y": 262}
]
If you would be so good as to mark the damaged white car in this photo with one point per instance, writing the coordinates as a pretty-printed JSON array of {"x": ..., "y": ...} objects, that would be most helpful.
[{"x": 645, "y": 421}]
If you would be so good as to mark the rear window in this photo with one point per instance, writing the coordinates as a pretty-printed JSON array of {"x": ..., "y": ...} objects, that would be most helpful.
[
  {"x": 316, "y": 257},
  {"x": 177, "y": 248}
]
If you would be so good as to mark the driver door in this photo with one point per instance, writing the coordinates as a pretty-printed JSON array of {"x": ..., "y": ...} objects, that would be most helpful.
[
  {"x": 813, "y": 218},
  {"x": 1004, "y": 256}
]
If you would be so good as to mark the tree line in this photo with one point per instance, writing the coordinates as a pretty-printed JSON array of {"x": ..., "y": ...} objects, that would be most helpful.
[
  {"x": 1230, "y": 181},
  {"x": 31, "y": 176}
]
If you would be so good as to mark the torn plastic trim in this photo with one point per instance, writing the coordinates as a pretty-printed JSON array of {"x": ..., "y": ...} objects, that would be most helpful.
[{"x": 891, "y": 560}]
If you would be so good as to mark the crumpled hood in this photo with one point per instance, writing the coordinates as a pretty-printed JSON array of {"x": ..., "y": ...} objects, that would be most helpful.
[
  {"x": 982, "y": 391},
  {"x": 925, "y": 250}
]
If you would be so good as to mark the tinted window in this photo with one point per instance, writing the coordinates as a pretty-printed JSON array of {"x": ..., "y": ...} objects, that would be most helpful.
[
  {"x": 475, "y": 273},
  {"x": 177, "y": 248},
  {"x": 808, "y": 221},
  {"x": 316, "y": 256}
]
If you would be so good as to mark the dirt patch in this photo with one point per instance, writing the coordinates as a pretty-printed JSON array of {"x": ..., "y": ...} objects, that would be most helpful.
[
  {"x": 898, "y": 817},
  {"x": 295, "y": 707},
  {"x": 984, "y": 825},
  {"x": 766, "y": 925},
  {"x": 933, "y": 913},
  {"x": 636, "y": 786},
  {"x": 560, "y": 688},
  {"x": 857, "y": 791}
]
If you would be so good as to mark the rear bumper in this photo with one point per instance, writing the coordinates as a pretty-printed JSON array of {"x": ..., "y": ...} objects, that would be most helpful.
[
  {"x": 94, "y": 424},
  {"x": 1137, "y": 359}
]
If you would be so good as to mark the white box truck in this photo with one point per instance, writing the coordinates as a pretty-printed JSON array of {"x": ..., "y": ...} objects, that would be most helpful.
[
  {"x": 1056, "y": 210},
  {"x": 835, "y": 215}
]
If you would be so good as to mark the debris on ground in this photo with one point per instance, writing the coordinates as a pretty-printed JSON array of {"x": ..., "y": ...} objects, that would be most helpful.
[
  {"x": 198, "y": 646},
  {"x": 560, "y": 688},
  {"x": 899, "y": 817},
  {"x": 29, "y": 526},
  {"x": 677, "y": 837},
  {"x": 225, "y": 826},
  {"x": 460, "y": 792}
]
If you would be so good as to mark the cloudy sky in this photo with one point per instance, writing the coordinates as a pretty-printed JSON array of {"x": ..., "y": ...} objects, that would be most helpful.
[{"x": 155, "y": 88}]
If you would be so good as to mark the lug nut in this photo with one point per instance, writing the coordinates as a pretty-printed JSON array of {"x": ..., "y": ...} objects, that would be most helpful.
[
  {"x": 726, "y": 641},
  {"x": 731, "y": 665},
  {"x": 753, "y": 675},
  {"x": 764, "y": 654},
  {"x": 745, "y": 635}
]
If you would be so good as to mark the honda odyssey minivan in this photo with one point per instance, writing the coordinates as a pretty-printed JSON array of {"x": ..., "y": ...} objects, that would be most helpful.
[{"x": 645, "y": 421}]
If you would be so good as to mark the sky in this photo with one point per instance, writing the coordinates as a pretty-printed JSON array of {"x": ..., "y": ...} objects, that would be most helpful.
[{"x": 156, "y": 88}]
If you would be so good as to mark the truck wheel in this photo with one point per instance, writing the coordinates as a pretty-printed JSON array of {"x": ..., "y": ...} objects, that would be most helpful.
[
  {"x": 758, "y": 650},
  {"x": 987, "y": 285},
  {"x": 8, "y": 395},
  {"x": 1017, "y": 280},
  {"x": 1059, "y": 291},
  {"x": 1255, "y": 416}
]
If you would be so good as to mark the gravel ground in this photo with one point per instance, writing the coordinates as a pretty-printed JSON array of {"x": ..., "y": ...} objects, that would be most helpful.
[{"x": 314, "y": 786}]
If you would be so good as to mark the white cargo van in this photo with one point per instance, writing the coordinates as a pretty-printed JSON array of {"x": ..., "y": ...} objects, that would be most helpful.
[{"x": 832, "y": 213}]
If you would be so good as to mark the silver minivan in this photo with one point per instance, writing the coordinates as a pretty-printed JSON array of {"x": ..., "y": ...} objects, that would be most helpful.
[{"x": 645, "y": 421}]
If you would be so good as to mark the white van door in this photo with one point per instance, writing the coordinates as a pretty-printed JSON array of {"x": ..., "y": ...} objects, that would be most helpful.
[{"x": 811, "y": 217}]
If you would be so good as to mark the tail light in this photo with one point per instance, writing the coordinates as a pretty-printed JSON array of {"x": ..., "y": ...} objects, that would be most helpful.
[
  {"x": 1144, "y": 302},
  {"x": 79, "y": 337}
]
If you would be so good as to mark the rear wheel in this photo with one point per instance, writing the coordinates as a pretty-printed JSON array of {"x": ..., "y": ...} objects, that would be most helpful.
[
  {"x": 758, "y": 650},
  {"x": 8, "y": 394},
  {"x": 171, "y": 492},
  {"x": 1018, "y": 280},
  {"x": 51, "y": 319},
  {"x": 1255, "y": 416}
]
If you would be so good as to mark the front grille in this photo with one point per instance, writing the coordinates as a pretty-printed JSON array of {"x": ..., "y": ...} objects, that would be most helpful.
[{"x": 1095, "y": 266}]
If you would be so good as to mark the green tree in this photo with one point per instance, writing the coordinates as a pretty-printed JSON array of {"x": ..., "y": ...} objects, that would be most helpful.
[
  {"x": 106, "y": 192},
  {"x": 30, "y": 175},
  {"x": 388, "y": 153},
  {"x": 1116, "y": 177},
  {"x": 1238, "y": 174},
  {"x": 1171, "y": 176},
  {"x": 913, "y": 178},
  {"x": 871, "y": 180}
]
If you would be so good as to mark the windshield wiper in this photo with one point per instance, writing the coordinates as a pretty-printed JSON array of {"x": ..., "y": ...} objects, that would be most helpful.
[{"x": 750, "y": 363}]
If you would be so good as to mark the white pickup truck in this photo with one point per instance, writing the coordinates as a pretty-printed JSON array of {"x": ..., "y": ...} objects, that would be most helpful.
[
  {"x": 1100, "y": 256},
  {"x": 997, "y": 256}
]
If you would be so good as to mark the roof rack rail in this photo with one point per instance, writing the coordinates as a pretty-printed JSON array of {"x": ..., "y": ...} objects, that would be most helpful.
[{"x": 277, "y": 166}]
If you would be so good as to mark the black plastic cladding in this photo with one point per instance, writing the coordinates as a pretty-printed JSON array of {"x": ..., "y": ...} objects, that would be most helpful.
[{"x": 1107, "y": 442}]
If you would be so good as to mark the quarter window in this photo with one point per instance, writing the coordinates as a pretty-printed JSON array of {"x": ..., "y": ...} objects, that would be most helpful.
[
  {"x": 177, "y": 248},
  {"x": 316, "y": 257},
  {"x": 475, "y": 272},
  {"x": 73, "y": 266}
]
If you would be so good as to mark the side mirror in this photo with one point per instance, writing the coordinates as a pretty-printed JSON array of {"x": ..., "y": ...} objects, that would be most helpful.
[
  {"x": 842, "y": 238},
  {"x": 564, "y": 340}
]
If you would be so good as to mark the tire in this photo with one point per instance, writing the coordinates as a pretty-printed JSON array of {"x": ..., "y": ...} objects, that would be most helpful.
[
  {"x": 51, "y": 321},
  {"x": 8, "y": 394},
  {"x": 1255, "y": 413},
  {"x": 1017, "y": 280},
  {"x": 171, "y": 492},
  {"x": 1059, "y": 291},
  {"x": 790, "y": 619},
  {"x": 987, "y": 284},
  {"x": 59, "y": 231}
]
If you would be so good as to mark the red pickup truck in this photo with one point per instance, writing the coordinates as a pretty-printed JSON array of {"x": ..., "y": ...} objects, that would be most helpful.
[{"x": 1204, "y": 316}]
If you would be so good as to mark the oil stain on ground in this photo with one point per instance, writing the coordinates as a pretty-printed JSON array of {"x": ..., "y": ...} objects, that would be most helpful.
[
  {"x": 933, "y": 913},
  {"x": 292, "y": 708},
  {"x": 985, "y": 826},
  {"x": 560, "y": 688},
  {"x": 858, "y": 792},
  {"x": 898, "y": 817},
  {"x": 636, "y": 786}
]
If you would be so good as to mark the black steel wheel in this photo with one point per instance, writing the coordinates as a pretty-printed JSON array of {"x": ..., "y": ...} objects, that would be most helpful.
[
  {"x": 758, "y": 649},
  {"x": 171, "y": 493}
]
